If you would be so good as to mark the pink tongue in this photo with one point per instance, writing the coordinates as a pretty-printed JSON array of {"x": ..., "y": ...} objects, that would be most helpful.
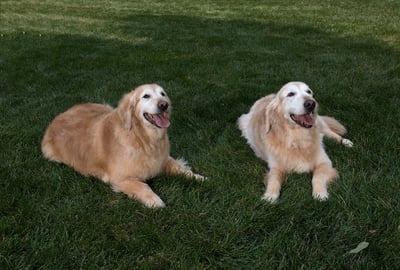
[
  {"x": 161, "y": 121},
  {"x": 307, "y": 120}
]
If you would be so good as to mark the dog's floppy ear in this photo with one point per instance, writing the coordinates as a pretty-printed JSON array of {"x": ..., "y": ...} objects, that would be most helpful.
[
  {"x": 125, "y": 110},
  {"x": 270, "y": 113}
]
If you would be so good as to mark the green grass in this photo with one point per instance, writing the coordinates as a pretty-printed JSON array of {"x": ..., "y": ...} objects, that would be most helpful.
[{"x": 214, "y": 58}]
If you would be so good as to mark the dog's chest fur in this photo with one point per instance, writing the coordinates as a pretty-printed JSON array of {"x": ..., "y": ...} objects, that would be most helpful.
[
  {"x": 144, "y": 161},
  {"x": 137, "y": 153},
  {"x": 296, "y": 148},
  {"x": 150, "y": 159}
]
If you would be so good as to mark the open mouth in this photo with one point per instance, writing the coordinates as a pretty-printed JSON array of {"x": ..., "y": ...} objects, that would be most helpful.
[
  {"x": 159, "y": 120},
  {"x": 305, "y": 120}
]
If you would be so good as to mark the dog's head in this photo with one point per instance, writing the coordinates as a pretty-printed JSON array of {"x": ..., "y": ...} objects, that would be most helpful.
[
  {"x": 296, "y": 102},
  {"x": 147, "y": 105}
]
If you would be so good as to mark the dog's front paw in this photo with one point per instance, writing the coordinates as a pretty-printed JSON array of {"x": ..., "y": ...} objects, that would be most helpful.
[
  {"x": 347, "y": 143},
  {"x": 271, "y": 198},
  {"x": 154, "y": 202},
  {"x": 321, "y": 196}
]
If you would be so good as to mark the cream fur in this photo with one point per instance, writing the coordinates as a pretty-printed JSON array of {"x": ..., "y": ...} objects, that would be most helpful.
[{"x": 286, "y": 145}]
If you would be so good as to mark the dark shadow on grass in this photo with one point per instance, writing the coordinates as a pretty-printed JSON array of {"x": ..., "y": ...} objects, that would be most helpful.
[{"x": 213, "y": 69}]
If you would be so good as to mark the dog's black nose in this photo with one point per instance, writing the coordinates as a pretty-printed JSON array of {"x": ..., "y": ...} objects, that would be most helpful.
[
  {"x": 163, "y": 105},
  {"x": 309, "y": 105}
]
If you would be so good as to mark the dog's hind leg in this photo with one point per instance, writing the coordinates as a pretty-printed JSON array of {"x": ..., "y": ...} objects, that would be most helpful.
[
  {"x": 273, "y": 181},
  {"x": 140, "y": 191},
  {"x": 322, "y": 176},
  {"x": 331, "y": 128},
  {"x": 174, "y": 167}
]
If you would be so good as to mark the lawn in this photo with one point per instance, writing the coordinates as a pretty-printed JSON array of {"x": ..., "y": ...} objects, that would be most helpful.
[{"x": 214, "y": 59}]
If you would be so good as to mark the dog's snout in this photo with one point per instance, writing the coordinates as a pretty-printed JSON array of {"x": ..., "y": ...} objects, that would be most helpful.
[
  {"x": 163, "y": 105},
  {"x": 309, "y": 105}
]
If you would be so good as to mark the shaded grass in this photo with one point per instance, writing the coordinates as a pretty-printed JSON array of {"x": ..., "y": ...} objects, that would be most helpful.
[{"x": 214, "y": 60}]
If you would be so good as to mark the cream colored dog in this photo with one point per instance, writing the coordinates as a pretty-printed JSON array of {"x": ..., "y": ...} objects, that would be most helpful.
[
  {"x": 285, "y": 130},
  {"x": 124, "y": 146}
]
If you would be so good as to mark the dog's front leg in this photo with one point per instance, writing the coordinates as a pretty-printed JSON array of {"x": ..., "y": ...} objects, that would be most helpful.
[
  {"x": 322, "y": 176},
  {"x": 140, "y": 191},
  {"x": 179, "y": 166},
  {"x": 273, "y": 181}
]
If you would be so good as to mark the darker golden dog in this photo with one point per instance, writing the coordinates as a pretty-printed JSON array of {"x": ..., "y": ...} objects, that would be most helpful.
[{"x": 124, "y": 146}]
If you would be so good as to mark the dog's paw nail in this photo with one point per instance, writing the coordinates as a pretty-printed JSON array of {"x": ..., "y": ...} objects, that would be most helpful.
[
  {"x": 199, "y": 177},
  {"x": 271, "y": 198},
  {"x": 157, "y": 203},
  {"x": 321, "y": 196},
  {"x": 347, "y": 143}
]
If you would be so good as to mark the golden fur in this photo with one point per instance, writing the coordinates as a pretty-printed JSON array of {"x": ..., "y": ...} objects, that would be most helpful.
[
  {"x": 124, "y": 146},
  {"x": 285, "y": 130}
]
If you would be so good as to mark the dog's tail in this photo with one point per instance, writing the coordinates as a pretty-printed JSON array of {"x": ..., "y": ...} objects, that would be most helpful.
[
  {"x": 242, "y": 122},
  {"x": 334, "y": 125}
]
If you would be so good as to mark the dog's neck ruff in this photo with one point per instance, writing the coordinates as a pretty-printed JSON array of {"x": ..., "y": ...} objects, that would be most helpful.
[
  {"x": 159, "y": 120},
  {"x": 305, "y": 120}
]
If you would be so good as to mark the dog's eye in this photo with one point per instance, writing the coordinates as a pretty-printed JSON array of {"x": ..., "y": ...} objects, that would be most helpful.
[
  {"x": 146, "y": 96},
  {"x": 309, "y": 92},
  {"x": 163, "y": 94},
  {"x": 291, "y": 94}
]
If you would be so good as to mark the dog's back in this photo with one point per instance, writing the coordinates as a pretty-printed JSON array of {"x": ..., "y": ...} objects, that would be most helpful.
[
  {"x": 253, "y": 124},
  {"x": 69, "y": 137}
]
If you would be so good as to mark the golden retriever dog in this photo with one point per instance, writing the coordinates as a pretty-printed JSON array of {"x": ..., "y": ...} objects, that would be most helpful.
[
  {"x": 285, "y": 130},
  {"x": 124, "y": 146}
]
